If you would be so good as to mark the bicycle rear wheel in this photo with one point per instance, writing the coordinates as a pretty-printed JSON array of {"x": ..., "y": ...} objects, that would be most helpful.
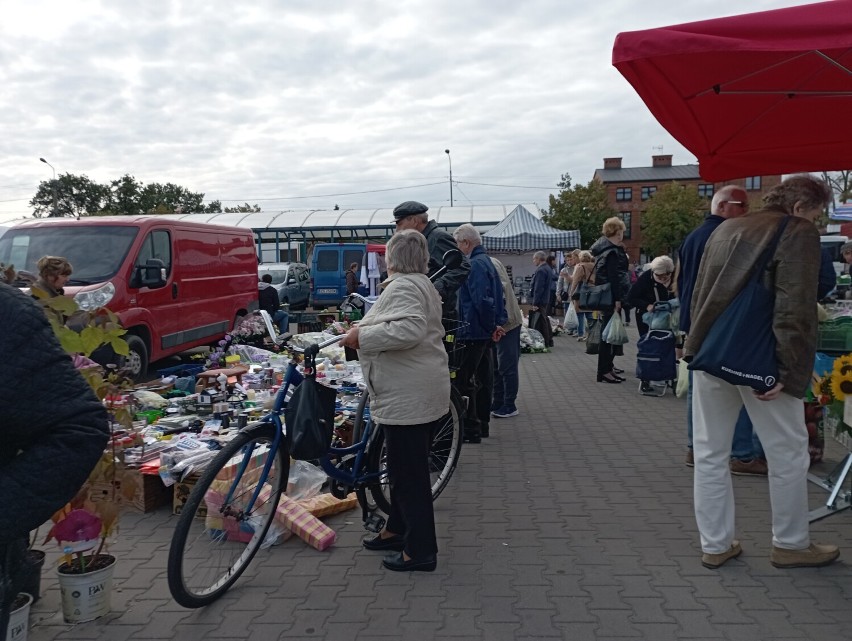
[
  {"x": 444, "y": 451},
  {"x": 214, "y": 540}
]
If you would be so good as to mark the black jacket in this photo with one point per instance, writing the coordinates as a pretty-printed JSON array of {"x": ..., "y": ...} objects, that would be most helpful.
[
  {"x": 611, "y": 265},
  {"x": 267, "y": 298},
  {"x": 642, "y": 293},
  {"x": 52, "y": 427},
  {"x": 448, "y": 284}
]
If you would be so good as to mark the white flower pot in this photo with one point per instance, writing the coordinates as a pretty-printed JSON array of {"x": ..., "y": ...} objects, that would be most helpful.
[
  {"x": 85, "y": 597},
  {"x": 19, "y": 620}
]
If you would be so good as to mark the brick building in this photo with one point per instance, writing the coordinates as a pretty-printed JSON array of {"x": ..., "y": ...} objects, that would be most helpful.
[{"x": 629, "y": 188}]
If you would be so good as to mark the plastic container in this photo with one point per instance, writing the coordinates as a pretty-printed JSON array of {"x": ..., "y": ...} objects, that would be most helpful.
[
  {"x": 85, "y": 597},
  {"x": 19, "y": 619}
]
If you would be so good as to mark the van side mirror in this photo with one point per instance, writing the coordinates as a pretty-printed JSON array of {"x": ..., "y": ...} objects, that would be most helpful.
[
  {"x": 152, "y": 274},
  {"x": 452, "y": 258}
]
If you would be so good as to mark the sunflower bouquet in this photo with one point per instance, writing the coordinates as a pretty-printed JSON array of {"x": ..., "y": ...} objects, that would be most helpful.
[{"x": 833, "y": 389}]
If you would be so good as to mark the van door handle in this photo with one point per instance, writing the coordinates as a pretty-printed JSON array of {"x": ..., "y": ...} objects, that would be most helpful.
[{"x": 174, "y": 290}]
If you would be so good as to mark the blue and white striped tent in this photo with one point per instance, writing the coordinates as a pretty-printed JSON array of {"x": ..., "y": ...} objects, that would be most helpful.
[{"x": 522, "y": 232}]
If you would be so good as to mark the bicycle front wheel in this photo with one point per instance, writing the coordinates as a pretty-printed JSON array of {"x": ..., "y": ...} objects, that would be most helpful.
[
  {"x": 444, "y": 452},
  {"x": 216, "y": 538}
]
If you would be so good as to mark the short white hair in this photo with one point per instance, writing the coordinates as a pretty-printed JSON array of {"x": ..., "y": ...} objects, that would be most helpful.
[
  {"x": 469, "y": 233},
  {"x": 408, "y": 253},
  {"x": 722, "y": 196},
  {"x": 662, "y": 265}
]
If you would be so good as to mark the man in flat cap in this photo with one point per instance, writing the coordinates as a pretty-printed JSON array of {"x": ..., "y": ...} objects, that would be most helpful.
[{"x": 412, "y": 215}]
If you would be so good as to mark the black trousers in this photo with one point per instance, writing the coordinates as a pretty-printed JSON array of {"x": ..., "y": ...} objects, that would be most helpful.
[
  {"x": 485, "y": 387},
  {"x": 411, "y": 512},
  {"x": 605, "y": 353},
  {"x": 469, "y": 379}
]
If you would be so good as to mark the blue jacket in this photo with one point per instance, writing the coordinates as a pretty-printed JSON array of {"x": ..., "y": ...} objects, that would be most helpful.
[
  {"x": 689, "y": 260},
  {"x": 481, "y": 299},
  {"x": 540, "y": 286}
]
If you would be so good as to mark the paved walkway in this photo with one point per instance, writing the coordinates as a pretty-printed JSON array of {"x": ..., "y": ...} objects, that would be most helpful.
[{"x": 573, "y": 521}]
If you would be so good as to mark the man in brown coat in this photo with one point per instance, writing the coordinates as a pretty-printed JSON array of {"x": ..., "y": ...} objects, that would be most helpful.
[{"x": 730, "y": 255}]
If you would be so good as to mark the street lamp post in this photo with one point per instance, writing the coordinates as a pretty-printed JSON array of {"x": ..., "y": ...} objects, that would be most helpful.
[
  {"x": 52, "y": 184},
  {"x": 447, "y": 151}
]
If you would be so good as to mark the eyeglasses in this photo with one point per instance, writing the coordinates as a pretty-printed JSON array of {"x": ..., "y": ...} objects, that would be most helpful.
[{"x": 737, "y": 202}]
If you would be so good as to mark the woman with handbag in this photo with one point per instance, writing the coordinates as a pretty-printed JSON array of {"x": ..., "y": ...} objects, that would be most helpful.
[
  {"x": 652, "y": 287},
  {"x": 610, "y": 268},
  {"x": 582, "y": 273}
]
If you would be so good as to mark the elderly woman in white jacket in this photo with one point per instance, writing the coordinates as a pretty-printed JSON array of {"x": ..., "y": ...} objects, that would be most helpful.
[{"x": 399, "y": 343}]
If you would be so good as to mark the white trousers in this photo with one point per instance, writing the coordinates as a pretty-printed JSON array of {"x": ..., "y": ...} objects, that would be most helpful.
[{"x": 780, "y": 425}]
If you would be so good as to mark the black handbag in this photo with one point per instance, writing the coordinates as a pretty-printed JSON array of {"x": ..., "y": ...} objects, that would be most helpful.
[
  {"x": 596, "y": 297},
  {"x": 309, "y": 419},
  {"x": 740, "y": 346}
]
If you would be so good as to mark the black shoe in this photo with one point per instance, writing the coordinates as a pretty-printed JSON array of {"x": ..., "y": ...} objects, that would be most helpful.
[
  {"x": 484, "y": 432},
  {"x": 615, "y": 375},
  {"x": 615, "y": 370},
  {"x": 472, "y": 438},
  {"x": 395, "y": 543},
  {"x": 613, "y": 379},
  {"x": 396, "y": 563},
  {"x": 645, "y": 388}
]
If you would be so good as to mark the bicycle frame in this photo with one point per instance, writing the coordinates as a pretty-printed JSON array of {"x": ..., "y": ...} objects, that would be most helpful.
[{"x": 354, "y": 479}]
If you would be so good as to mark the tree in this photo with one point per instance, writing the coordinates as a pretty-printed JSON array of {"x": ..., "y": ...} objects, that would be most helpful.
[
  {"x": 78, "y": 196},
  {"x": 243, "y": 209},
  {"x": 580, "y": 207},
  {"x": 672, "y": 212},
  {"x": 124, "y": 197},
  {"x": 74, "y": 196},
  {"x": 840, "y": 183}
]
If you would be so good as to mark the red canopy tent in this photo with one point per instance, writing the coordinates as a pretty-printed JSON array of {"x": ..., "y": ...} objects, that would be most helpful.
[{"x": 762, "y": 93}]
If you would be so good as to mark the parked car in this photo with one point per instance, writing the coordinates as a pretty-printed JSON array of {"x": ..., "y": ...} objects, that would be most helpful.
[
  {"x": 291, "y": 280},
  {"x": 173, "y": 284}
]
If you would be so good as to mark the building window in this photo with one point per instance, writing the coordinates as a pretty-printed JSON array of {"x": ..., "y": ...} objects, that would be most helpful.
[
  {"x": 626, "y": 217},
  {"x": 705, "y": 191},
  {"x": 647, "y": 192},
  {"x": 624, "y": 193},
  {"x": 753, "y": 183}
]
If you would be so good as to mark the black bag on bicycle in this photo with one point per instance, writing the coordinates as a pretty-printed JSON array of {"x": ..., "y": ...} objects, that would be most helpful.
[{"x": 309, "y": 418}]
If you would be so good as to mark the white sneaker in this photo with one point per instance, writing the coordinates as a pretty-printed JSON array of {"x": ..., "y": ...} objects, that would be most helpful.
[{"x": 504, "y": 412}]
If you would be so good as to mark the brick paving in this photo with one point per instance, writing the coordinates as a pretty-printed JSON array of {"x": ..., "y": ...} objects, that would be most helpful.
[{"x": 572, "y": 521}]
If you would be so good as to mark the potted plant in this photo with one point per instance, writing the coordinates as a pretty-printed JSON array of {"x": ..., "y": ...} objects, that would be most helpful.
[
  {"x": 19, "y": 617},
  {"x": 83, "y": 527}
]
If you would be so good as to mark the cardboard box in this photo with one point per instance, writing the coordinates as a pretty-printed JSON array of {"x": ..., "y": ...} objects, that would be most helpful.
[
  {"x": 182, "y": 490},
  {"x": 150, "y": 492}
]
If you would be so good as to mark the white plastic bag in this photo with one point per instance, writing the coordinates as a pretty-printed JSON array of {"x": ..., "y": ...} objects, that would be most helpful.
[
  {"x": 305, "y": 480},
  {"x": 682, "y": 379},
  {"x": 571, "y": 321},
  {"x": 614, "y": 333}
]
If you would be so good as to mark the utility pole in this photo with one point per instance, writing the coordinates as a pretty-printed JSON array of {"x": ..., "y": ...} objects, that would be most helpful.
[
  {"x": 53, "y": 185},
  {"x": 447, "y": 151}
]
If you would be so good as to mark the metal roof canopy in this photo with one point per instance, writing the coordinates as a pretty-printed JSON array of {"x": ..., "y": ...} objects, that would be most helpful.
[{"x": 324, "y": 225}]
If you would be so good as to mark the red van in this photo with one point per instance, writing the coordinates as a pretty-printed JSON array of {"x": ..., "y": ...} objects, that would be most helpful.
[{"x": 173, "y": 284}]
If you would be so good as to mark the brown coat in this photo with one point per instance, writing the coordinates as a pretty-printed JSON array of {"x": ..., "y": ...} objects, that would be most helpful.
[{"x": 792, "y": 273}]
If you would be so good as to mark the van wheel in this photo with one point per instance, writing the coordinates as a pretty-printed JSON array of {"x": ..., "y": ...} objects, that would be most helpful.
[{"x": 136, "y": 361}]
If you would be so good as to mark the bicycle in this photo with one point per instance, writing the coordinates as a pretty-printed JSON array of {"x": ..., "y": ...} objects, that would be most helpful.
[{"x": 228, "y": 514}]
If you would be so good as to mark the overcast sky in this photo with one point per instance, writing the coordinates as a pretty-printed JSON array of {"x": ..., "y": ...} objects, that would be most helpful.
[{"x": 292, "y": 104}]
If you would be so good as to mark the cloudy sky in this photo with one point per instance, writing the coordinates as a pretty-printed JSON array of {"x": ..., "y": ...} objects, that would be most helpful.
[{"x": 306, "y": 104}]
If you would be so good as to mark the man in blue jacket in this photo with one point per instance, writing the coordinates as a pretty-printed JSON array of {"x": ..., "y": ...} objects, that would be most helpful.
[
  {"x": 540, "y": 293},
  {"x": 482, "y": 315},
  {"x": 730, "y": 201}
]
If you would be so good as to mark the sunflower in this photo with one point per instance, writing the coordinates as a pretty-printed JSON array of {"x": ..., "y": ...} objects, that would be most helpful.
[{"x": 841, "y": 384}]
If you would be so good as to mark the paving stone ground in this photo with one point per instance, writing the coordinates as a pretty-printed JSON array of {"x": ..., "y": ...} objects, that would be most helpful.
[{"x": 572, "y": 521}]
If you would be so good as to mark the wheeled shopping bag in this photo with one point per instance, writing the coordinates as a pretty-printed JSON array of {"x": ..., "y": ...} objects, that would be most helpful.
[{"x": 656, "y": 361}]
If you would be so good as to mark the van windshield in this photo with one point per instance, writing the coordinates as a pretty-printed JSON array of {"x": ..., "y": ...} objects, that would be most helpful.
[{"x": 95, "y": 252}]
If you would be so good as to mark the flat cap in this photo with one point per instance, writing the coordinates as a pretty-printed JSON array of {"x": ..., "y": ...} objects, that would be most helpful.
[{"x": 409, "y": 208}]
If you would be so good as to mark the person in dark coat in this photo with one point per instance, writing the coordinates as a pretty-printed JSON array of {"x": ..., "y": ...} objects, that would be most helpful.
[
  {"x": 53, "y": 430},
  {"x": 610, "y": 267},
  {"x": 267, "y": 300},
  {"x": 652, "y": 287},
  {"x": 540, "y": 294},
  {"x": 412, "y": 215},
  {"x": 482, "y": 313},
  {"x": 352, "y": 279}
]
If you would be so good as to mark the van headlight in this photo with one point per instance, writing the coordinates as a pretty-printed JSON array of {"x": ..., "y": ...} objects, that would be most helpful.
[{"x": 90, "y": 301}]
